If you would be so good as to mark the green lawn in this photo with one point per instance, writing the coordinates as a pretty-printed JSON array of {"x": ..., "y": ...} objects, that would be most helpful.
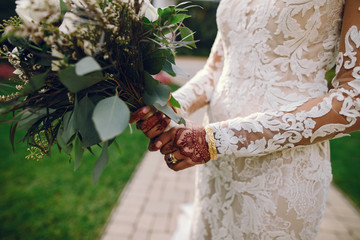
[
  {"x": 48, "y": 200},
  {"x": 345, "y": 159}
]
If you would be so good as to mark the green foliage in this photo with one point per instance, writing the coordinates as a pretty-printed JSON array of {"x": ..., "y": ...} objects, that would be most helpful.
[
  {"x": 111, "y": 116},
  {"x": 345, "y": 161},
  {"x": 48, "y": 200},
  {"x": 77, "y": 87},
  {"x": 75, "y": 82},
  {"x": 203, "y": 24}
]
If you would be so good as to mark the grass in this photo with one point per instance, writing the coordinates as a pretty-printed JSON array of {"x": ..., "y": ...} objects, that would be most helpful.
[
  {"x": 48, "y": 200},
  {"x": 345, "y": 160}
]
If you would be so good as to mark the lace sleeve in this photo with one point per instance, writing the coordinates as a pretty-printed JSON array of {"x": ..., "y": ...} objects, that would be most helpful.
[
  {"x": 333, "y": 115},
  {"x": 197, "y": 92}
]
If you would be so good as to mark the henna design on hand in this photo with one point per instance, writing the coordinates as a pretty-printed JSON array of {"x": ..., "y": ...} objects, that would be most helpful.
[
  {"x": 147, "y": 124},
  {"x": 192, "y": 144}
]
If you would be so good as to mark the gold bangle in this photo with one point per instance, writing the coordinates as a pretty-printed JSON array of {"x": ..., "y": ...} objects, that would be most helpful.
[{"x": 211, "y": 143}]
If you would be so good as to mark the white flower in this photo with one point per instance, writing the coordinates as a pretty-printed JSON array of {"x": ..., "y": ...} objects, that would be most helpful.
[
  {"x": 69, "y": 23},
  {"x": 147, "y": 10},
  {"x": 34, "y": 11}
]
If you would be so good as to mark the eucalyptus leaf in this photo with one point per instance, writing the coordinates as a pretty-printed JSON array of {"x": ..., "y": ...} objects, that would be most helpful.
[
  {"x": 78, "y": 153},
  {"x": 83, "y": 111},
  {"x": 101, "y": 163},
  {"x": 29, "y": 118},
  {"x": 150, "y": 82},
  {"x": 168, "y": 68},
  {"x": 159, "y": 95},
  {"x": 169, "y": 112},
  {"x": 179, "y": 71},
  {"x": 37, "y": 81},
  {"x": 87, "y": 65},
  {"x": 76, "y": 83},
  {"x": 111, "y": 116},
  {"x": 66, "y": 148},
  {"x": 69, "y": 127}
]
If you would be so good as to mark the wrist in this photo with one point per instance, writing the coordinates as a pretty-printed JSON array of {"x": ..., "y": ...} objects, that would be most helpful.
[{"x": 210, "y": 139}]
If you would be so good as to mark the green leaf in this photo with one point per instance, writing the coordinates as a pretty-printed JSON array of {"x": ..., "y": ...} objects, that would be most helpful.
[
  {"x": 150, "y": 82},
  {"x": 179, "y": 18},
  {"x": 83, "y": 121},
  {"x": 76, "y": 83},
  {"x": 67, "y": 148},
  {"x": 69, "y": 127},
  {"x": 37, "y": 81},
  {"x": 179, "y": 71},
  {"x": 159, "y": 95},
  {"x": 187, "y": 36},
  {"x": 329, "y": 75},
  {"x": 30, "y": 118},
  {"x": 101, "y": 163},
  {"x": 87, "y": 65},
  {"x": 63, "y": 7},
  {"x": 154, "y": 62},
  {"x": 78, "y": 153},
  {"x": 111, "y": 116},
  {"x": 169, "y": 112},
  {"x": 18, "y": 41},
  {"x": 174, "y": 102},
  {"x": 168, "y": 68}
]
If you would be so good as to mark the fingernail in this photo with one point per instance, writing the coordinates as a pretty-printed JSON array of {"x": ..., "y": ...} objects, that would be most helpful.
[
  {"x": 158, "y": 144},
  {"x": 145, "y": 110}
]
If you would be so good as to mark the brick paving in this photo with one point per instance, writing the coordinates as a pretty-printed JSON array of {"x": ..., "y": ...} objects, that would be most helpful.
[{"x": 149, "y": 206}]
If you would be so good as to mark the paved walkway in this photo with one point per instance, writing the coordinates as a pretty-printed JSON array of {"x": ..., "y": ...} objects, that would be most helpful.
[{"x": 150, "y": 204}]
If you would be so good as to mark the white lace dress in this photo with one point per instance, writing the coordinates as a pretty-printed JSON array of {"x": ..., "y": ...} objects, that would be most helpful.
[{"x": 272, "y": 112}]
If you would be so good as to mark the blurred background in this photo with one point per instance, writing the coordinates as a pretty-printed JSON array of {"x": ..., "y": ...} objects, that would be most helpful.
[{"x": 48, "y": 200}]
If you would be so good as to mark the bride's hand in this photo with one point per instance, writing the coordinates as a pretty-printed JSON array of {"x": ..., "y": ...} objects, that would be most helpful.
[
  {"x": 150, "y": 121},
  {"x": 182, "y": 147}
]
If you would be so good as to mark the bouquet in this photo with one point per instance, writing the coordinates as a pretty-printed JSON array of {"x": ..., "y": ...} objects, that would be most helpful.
[{"x": 82, "y": 66}]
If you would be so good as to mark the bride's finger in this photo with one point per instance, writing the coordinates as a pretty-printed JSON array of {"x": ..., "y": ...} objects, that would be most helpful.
[
  {"x": 158, "y": 128},
  {"x": 139, "y": 114},
  {"x": 161, "y": 140},
  {"x": 167, "y": 148},
  {"x": 180, "y": 162},
  {"x": 150, "y": 122}
]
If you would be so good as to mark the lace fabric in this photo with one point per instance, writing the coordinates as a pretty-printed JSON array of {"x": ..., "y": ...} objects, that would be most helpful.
[{"x": 271, "y": 113}]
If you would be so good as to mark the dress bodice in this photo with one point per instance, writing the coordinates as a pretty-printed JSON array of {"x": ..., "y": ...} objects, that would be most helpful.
[{"x": 276, "y": 53}]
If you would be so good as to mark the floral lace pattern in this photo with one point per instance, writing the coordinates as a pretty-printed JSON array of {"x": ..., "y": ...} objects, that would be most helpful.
[{"x": 271, "y": 113}]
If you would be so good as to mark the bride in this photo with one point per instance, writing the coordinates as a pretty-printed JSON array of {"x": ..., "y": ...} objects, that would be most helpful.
[{"x": 263, "y": 155}]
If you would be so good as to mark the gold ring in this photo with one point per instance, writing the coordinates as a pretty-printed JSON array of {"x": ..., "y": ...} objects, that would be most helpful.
[{"x": 173, "y": 159}]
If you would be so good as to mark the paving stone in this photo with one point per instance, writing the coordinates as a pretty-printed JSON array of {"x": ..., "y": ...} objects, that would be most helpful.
[
  {"x": 145, "y": 223},
  {"x": 157, "y": 208},
  {"x": 344, "y": 236},
  {"x": 326, "y": 236},
  {"x": 140, "y": 235},
  {"x": 115, "y": 237},
  {"x": 124, "y": 230},
  {"x": 333, "y": 226},
  {"x": 160, "y": 236}
]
